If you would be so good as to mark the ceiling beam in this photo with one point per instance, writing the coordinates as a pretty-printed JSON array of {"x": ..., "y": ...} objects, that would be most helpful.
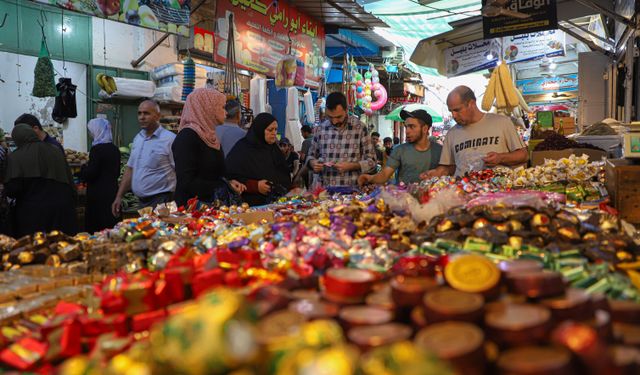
[
  {"x": 584, "y": 40},
  {"x": 346, "y": 13},
  {"x": 607, "y": 12}
]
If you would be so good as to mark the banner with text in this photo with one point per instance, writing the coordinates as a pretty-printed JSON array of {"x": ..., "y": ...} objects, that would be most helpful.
[
  {"x": 484, "y": 54},
  {"x": 533, "y": 46},
  {"x": 537, "y": 86},
  {"x": 265, "y": 31},
  {"x": 532, "y": 15},
  {"x": 169, "y": 16},
  {"x": 471, "y": 57}
]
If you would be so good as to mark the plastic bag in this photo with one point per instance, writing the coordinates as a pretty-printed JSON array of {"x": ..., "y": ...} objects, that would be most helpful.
[
  {"x": 300, "y": 74},
  {"x": 519, "y": 198},
  {"x": 286, "y": 72},
  {"x": 65, "y": 105},
  {"x": 44, "y": 84}
]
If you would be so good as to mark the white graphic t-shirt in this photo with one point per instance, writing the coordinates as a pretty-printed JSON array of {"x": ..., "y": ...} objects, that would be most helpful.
[{"x": 465, "y": 146}]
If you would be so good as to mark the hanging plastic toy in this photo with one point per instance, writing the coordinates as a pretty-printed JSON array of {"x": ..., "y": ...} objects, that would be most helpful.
[{"x": 378, "y": 90}]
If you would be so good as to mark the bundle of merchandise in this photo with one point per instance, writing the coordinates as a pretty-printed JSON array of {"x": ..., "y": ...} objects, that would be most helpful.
[{"x": 170, "y": 80}]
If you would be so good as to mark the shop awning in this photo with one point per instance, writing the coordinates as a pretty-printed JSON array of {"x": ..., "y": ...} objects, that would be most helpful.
[
  {"x": 342, "y": 13},
  {"x": 429, "y": 51}
]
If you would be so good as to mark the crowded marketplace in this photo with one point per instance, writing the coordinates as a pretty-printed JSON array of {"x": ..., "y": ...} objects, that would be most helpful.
[{"x": 320, "y": 187}]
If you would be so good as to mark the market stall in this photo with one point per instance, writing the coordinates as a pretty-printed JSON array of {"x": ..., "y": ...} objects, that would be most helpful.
[{"x": 342, "y": 280}]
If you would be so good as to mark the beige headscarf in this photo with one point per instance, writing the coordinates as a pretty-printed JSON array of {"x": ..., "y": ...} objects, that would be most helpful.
[{"x": 199, "y": 114}]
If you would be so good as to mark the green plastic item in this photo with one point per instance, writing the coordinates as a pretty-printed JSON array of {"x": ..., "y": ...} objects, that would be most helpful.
[{"x": 44, "y": 84}]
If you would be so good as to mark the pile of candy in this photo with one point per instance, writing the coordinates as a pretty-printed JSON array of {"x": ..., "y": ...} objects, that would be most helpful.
[
  {"x": 573, "y": 168},
  {"x": 343, "y": 285}
]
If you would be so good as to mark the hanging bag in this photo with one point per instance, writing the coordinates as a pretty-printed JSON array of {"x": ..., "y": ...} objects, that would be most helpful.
[
  {"x": 44, "y": 84},
  {"x": 65, "y": 105}
]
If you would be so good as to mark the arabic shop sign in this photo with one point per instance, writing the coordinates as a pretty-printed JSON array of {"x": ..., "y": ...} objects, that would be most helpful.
[
  {"x": 168, "y": 16},
  {"x": 531, "y": 46},
  {"x": 263, "y": 29},
  {"x": 543, "y": 15},
  {"x": 484, "y": 54},
  {"x": 471, "y": 57},
  {"x": 539, "y": 86}
]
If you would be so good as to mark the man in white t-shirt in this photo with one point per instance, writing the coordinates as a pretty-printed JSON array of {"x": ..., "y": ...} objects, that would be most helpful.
[{"x": 479, "y": 140}]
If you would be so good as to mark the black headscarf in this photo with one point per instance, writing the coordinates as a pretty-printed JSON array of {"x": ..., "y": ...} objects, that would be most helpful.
[
  {"x": 34, "y": 158},
  {"x": 252, "y": 158}
]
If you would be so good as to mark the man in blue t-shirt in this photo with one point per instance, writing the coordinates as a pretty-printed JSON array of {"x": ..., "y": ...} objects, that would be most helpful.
[{"x": 411, "y": 159}]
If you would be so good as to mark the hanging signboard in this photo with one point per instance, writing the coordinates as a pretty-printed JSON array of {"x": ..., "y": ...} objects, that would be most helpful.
[
  {"x": 264, "y": 33},
  {"x": 543, "y": 15},
  {"x": 484, "y": 54},
  {"x": 531, "y": 46},
  {"x": 537, "y": 86},
  {"x": 471, "y": 57},
  {"x": 168, "y": 16}
]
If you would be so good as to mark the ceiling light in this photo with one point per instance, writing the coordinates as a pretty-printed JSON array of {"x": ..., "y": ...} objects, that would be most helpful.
[
  {"x": 489, "y": 57},
  {"x": 325, "y": 65},
  {"x": 498, "y": 62},
  {"x": 553, "y": 66}
]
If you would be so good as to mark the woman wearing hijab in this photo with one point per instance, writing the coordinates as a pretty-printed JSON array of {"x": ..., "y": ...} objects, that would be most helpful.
[
  {"x": 200, "y": 167},
  {"x": 101, "y": 175},
  {"x": 40, "y": 181},
  {"x": 256, "y": 160}
]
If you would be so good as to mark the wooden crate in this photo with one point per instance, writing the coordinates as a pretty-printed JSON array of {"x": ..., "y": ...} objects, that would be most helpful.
[{"x": 623, "y": 185}]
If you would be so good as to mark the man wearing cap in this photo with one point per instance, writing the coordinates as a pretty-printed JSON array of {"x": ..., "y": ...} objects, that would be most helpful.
[
  {"x": 290, "y": 156},
  {"x": 479, "y": 140},
  {"x": 411, "y": 159}
]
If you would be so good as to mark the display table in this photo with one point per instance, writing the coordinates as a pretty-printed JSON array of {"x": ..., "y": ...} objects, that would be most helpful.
[{"x": 623, "y": 185}]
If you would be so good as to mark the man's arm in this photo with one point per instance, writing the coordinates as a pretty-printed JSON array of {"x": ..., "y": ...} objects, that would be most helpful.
[
  {"x": 441, "y": 170},
  {"x": 506, "y": 158},
  {"x": 379, "y": 178},
  {"x": 368, "y": 154},
  {"x": 125, "y": 186}
]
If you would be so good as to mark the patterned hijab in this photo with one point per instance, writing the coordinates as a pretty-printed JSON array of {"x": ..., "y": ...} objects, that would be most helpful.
[
  {"x": 200, "y": 111},
  {"x": 100, "y": 129}
]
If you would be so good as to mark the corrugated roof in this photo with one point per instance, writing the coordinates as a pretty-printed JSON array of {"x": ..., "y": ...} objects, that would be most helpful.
[{"x": 343, "y": 13}]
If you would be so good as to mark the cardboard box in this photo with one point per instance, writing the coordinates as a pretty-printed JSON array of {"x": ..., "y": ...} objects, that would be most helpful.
[
  {"x": 537, "y": 157},
  {"x": 256, "y": 217},
  {"x": 623, "y": 186}
]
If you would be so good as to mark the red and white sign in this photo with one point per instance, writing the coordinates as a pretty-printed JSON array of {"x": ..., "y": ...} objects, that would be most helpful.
[{"x": 262, "y": 32}]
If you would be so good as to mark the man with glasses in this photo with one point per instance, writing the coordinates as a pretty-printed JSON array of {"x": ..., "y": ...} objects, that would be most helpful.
[
  {"x": 341, "y": 149},
  {"x": 479, "y": 140}
]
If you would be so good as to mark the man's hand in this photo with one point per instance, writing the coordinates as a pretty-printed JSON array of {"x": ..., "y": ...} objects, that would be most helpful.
[
  {"x": 492, "y": 159},
  {"x": 429, "y": 174},
  {"x": 344, "y": 166},
  {"x": 316, "y": 166},
  {"x": 364, "y": 179},
  {"x": 237, "y": 186},
  {"x": 264, "y": 187},
  {"x": 116, "y": 206}
]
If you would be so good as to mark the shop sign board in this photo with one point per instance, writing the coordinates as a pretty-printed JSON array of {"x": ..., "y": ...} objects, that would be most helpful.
[
  {"x": 543, "y": 15},
  {"x": 531, "y": 46},
  {"x": 484, "y": 54},
  {"x": 265, "y": 31},
  {"x": 547, "y": 85},
  {"x": 168, "y": 16},
  {"x": 471, "y": 57}
]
